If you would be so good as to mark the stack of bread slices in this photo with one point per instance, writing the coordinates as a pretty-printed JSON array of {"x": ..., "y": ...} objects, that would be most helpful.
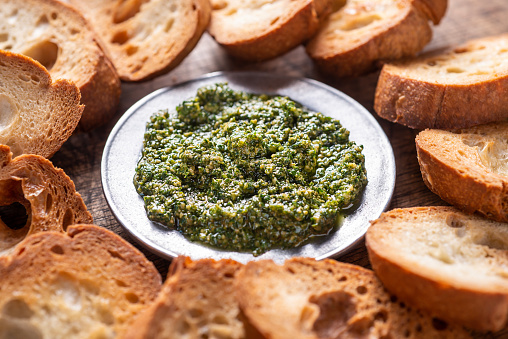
[
  {"x": 453, "y": 261},
  {"x": 436, "y": 269},
  {"x": 94, "y": 44}
]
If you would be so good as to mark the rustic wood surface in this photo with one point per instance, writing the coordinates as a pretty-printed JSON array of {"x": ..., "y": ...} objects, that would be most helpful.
[{"x": 81, "y": 156}]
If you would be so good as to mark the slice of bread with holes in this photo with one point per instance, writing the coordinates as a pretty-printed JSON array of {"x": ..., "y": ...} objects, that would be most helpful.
[
  {"x": 468, "y": 168},
  {"x": 361, "y": 34},
  {"x": 47, "y": 194},
  {"x": 196, "y": 301},
  {"x": 37, "y": 115},
  {"x": 147, "y": 38},
  {"x": 59, "y": 38},
  {"x": 312, "y": 299},
  {"x": 257, "y": 30},
  {"x": 86, "y": 283},
  {"x": 457, "y": 88},
  {"x": 452, "y": 264}
]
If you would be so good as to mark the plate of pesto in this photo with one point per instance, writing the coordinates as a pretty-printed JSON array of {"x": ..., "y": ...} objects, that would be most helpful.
[{"x": 247, "y": 165}]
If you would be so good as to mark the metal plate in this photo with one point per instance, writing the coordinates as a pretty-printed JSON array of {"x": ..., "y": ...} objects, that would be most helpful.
[{"x": 123, "y": 150}]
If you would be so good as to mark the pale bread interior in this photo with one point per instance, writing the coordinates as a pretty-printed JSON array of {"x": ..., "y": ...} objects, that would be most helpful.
[
  {"x": 143, "y": 36},
  {"x": 250, "y": 18},
  {"x": 10, "y": 237},
  {"x": 88, "y": 283},
  {"x": 50, "y": 34},
  {"x": 64, "y": 299},
  {"x": 466, "y": 251},
  {"x": 355, "y": 23},
  {"x": 491, "y": 143},
  {"x": 477, "y": 61},
  {"x": 326, "y": 299}
]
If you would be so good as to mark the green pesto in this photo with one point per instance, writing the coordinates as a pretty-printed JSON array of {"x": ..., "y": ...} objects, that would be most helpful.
[{"x": 247, "y": 172}]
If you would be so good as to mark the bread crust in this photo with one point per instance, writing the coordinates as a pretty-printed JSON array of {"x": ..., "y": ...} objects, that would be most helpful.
[
  {"x": 420, "y": 101},
  {"x": 101, "y": 95},
  {"x": 146, "y": 39},
  {"x": 420, "y": 285},
  {"x": 434, "y": 9},
  {"x": 88, "y": 280},
  {"x": 454, "y": 171},
  {"x": 342, "y": 53},
  {"x": 47, "y": 193},
  {"x": 66, "y": 45},
  {"x": 300, "y": 21}
]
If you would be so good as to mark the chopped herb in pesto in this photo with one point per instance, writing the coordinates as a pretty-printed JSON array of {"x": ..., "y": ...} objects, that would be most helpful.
[{"x": 247, "y": 172}]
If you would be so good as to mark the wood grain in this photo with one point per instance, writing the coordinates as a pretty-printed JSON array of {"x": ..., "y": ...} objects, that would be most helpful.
[{"x": 81, "y": 156}]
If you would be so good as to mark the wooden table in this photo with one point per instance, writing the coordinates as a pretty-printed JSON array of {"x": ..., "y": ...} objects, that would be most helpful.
[{"x": 80, "y": 156}]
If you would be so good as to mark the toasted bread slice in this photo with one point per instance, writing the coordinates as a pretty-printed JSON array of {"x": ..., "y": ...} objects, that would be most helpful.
[
  {"x": 58, "y": 37},
  {"x": 468, "y": 168},
  {"x": 459, "y": 88},
  {"x": 256, "y": 30},
  {"x": 450, "y": 263},
  {"x": 86, "y": 283},
  {"x": 197, "y": 301},
  {"x": 312, "y": 299},
  {"x": 36, "y": 115},
  {"x": 47, "y": 193},
  {"x": 147, "y": 38},
  {"x": 355, "y": 38}
]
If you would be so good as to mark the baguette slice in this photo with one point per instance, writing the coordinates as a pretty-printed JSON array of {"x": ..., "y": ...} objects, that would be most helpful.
[
  {"x": 36, "y": 115},
  {"x": 468, "y": 168},
  {"x": 197, "y": 301},
  {"x": 47, "y": 193},
  {"x": 147, "y": 38},
  {"x": 327, "y": 299},
  {"x": 356, "y": 37},
  {"x": 59, "y": 38},
  {"x": 459, "y": 88},
  {"x": 439, "y": 259},
  {"x": 257, "y": 30},
  {"x": 86, "y": 283}
]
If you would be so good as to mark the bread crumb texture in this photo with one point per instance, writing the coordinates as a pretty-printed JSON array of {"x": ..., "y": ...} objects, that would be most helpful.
[
  {"x": 362, "y": 33},
  {"x": 256, "y": 30},
  {"x": 197, "y": 301},
  {"x": 59, "y": 38},
  {"x": 147, "y": 38},
  {"x": 88, "y": 283},
  {"x": 37, "y": 115},
  {"x": 303, "y": 298}
]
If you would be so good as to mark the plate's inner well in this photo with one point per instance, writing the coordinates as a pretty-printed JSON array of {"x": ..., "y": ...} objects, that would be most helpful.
[
  {"x": 246, "y": 172},
  {"x": 124, "y": 147}
]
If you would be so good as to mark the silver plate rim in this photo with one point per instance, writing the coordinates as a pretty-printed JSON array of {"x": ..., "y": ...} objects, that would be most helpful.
[{"x": 380, "y": 164}]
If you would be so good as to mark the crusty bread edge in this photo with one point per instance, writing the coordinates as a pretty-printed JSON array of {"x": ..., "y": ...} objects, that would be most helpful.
[
  {"x": 487, "y": 196},
  {"x": 403, "y": 39},
  {"x": 275, "y": 42},
  {"x": 203, "y": 13},
  {"x": 421, "y": 104},
  {"x": 478, "y": 310}
]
